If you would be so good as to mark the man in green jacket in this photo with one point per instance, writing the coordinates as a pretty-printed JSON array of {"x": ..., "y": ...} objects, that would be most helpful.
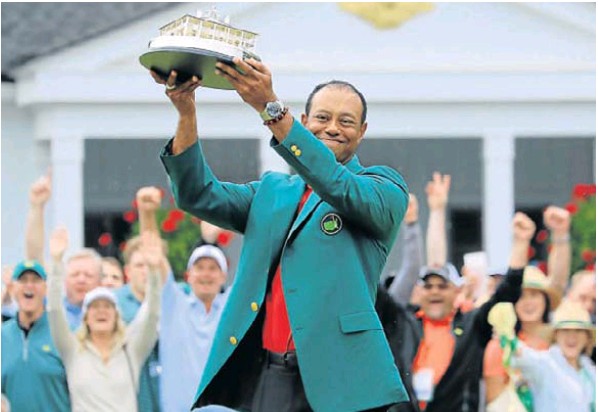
[
  {"x": 33, "y": 376},
  {"x": 299, "y": 331}
]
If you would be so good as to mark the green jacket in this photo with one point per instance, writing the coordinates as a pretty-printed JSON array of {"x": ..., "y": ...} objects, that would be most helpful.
[
  {"x": 331, "y": 254},
  {"x": 33, "y": 376}
]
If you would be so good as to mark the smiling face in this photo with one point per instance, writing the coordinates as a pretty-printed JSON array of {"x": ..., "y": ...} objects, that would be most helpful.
[
  {"x": 531, "y": 305},
  {"x": 206, "y": 278},
  {"x": 335, "y": 119},
  {"x": 572, "y": 342},
  {"x": 30, "y": 291},
  {"x": 101, "y": 316},
  {"x": 438, "y": 297}
]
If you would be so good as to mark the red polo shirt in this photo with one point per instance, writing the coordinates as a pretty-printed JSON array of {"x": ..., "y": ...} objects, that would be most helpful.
[{"x": 276, "y": 335}]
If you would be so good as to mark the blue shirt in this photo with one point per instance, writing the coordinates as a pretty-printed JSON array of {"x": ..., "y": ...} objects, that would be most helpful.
[
  {"x": 186, "y": 336},
  {"x": 149, "y": 378},
  {"x": 74, "y": 314},
  {"x": 33, "y": 376}
]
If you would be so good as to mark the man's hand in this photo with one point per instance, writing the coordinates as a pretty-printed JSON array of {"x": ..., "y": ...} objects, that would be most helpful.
[
  {"x": 59, "y": 241},
  {"x": 438, "y": 190},
  {"x": 557, "y": 220},
  {"x": 148, "y": 199},
  {"x": 523, "y": 227},
  {"x": 40, "y": 191},
  {"x": 181, "y": 96},
  {"x": 254, "y": 85},
  {"x": 412, "y": 212}
]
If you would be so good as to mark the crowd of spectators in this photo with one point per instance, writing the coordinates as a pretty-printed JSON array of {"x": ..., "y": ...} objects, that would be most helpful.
[{"x": 82, "y": 332}]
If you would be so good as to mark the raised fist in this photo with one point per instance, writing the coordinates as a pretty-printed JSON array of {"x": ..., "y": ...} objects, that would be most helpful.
[
  {"x": 557, "y": 220},
  {"x": 412, "y": 210},
  {"x": 148, "y": 199},
  {"x": 40, "y": 191},
  {"x": 523, "y": 227},
  {"x": 438, "y": 190}
]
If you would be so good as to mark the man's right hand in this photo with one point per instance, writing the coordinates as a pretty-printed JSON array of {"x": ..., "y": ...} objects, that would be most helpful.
[
  {"x": 148, "y": 199},
  {"x": 181, "y": 96},
  {"x": 41, "y": 190}
]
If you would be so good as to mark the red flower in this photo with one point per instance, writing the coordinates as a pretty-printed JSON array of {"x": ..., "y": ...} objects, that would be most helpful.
[
  {"x": 542, "y": 236},
  {"x": 581, "y": 191},
  {"x": 105, "y": 239},
  {"x": 224, "y": 238},
  {"x": 542, "y": 266},
  {"x": 130, "y": 216},
  {"x": 176, "y": 215},
  {"x": 571, "y": 208},
  {"x": 169, "y": 226},
  {"x": 588, "y": 255},
  {"x": 591, "y": 266},
  {"x": 531, "y": 252}
]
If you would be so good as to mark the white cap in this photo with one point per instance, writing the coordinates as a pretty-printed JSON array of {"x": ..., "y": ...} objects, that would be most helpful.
[
  {"x": 208, "y": 251},
  {"x": 96, "y": 294},
  {"x": 448, "y": 272}
]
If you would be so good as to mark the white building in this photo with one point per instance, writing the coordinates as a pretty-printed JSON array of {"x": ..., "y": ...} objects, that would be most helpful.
[{"x": 500, "y": 95}]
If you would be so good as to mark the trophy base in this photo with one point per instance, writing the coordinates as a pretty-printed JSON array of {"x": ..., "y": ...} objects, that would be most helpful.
[{"x": 189, "y": 62}]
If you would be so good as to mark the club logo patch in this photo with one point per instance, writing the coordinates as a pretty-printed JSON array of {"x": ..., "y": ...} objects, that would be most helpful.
[{"x": 331, "y": 224}]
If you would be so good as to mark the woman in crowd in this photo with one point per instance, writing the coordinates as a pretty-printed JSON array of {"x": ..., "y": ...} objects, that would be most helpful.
[
  {"x": 563, "y": 378},
  {"x": 532, "y": 309},
  {"x": 103, "y": 358}
]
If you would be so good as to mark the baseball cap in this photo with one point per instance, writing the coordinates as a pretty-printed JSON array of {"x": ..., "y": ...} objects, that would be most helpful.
[
  {"x": 96, "y": 294},
  {"x": 208, "y": 251},
  {"x": 448, "y": 272},
  {"x": 29, "y": 266}
]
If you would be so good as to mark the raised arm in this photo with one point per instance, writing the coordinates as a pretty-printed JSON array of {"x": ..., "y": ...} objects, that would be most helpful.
[
  {"x": 436, "y": 243},
  {"x": 65, "y": 341},
  {"x": 142, "y": 333},
  {"x": 558, "y": 221},
  {"x": 412, "y": 258},
  {"x": 509, "y": 289},
  {"x": 39, "y": 194},
  {"x": 375, "y": 200}
]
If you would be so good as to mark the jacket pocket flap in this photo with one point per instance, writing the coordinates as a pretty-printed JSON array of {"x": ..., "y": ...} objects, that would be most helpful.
[{"x": 360, "y": 321}]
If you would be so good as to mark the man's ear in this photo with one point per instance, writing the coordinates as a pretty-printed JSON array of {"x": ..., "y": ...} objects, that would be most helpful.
[
  {"x": 126, "y": 274},
  {"x": 303, "y": 119}
]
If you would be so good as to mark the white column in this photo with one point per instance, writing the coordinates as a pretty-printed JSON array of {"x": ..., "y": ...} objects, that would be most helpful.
[
  {"x": 269, "y": 159},
  {"x": 499, "y": 195},
  {"x": 67, "y": 187}
]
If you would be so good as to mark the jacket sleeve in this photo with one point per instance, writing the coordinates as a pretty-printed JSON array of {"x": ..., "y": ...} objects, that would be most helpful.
[
  {"x": 65, "y": 341},
  {"x": 412, "y": 260},
  {"x": 375, "y": 200},
  {"x": 197, "y": 191},
  {"x": 508, "y": 290}
]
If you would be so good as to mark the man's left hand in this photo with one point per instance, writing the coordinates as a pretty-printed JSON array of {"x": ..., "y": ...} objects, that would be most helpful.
[{"x": 254, "y": 84}]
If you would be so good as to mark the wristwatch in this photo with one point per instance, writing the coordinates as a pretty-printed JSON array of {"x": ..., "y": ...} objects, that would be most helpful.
[{"x": 273, "y": 110}]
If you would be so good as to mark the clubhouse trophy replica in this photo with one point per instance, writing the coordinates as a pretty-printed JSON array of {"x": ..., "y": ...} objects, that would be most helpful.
[{"x": 192, "y": 45}]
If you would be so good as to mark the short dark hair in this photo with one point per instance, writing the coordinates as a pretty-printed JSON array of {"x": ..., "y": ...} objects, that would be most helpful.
[{"x": 339, "y": 84}]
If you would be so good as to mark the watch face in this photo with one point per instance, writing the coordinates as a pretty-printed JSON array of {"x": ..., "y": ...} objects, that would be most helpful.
[{"x": 274, "y": 109}]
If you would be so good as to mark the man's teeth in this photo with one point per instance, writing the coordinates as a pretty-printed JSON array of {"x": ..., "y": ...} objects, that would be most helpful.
[{"x": 28, "y": 295}]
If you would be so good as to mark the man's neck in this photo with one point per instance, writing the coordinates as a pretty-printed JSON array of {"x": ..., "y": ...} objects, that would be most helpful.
[
  {"x": 26, "y": 319},
  {"x": 207, "y": 302}
]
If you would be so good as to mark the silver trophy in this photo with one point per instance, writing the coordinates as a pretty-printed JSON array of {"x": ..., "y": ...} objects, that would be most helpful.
[{"x": 191, "y": 45}]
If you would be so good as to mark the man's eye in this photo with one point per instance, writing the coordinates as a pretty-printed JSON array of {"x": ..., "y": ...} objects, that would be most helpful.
[
  {"x": 347, "y": 122},
  {"x": 321, "y": 117}
]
